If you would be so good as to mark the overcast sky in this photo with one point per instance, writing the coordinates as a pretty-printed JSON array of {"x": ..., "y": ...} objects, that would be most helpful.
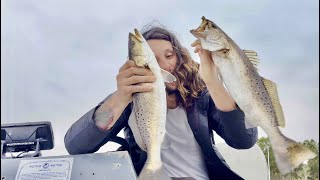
[{"x": 60, "y": 58}]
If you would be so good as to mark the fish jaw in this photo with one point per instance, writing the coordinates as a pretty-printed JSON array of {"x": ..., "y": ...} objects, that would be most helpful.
[
  {"x": 137, "y": 50},
  {"x": 211, "y": 36}
]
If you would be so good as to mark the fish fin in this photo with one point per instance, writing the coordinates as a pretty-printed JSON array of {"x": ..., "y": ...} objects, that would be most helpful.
[
  {"x": 157, "y": 173},
  {"x": 249, "y": 123},
  {"x": 167, "y": 77},
  {"x": 273, "y": 93},
  {"x": 253, "y": 58},
  {"x": 135, "y": 131},
  {"x": 289, "y": 154}
]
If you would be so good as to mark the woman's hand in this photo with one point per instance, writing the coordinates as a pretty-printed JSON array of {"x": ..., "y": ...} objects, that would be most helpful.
[
  {"x": 129, "y": 78},
  {"x": 207, "y": 69},
  {"x": 128, "y": 82},
  {"x": 209, "y": 74}
]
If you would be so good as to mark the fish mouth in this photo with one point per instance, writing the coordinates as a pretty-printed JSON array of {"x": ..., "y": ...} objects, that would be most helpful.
[
  {"x": 134, "y": 39},
  {"x": 200, "y": 30},
  {"x": 205, "y": 25},
  {"x": 137, "y": 36},
  {"x": 210, "y": 36}
]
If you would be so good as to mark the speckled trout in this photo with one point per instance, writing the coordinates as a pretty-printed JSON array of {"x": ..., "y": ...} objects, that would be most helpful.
[
  {"x": 256, "y": 96},
  {"x": 148, "y": 117}
]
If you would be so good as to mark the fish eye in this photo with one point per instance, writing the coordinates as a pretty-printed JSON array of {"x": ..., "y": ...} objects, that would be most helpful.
[{"x": 211, "y": 25}]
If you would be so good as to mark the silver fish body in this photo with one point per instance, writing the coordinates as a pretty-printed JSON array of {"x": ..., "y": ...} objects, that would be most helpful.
[
  {"x": 148, "y": 117},
  {"x": 256, "y": 96}
]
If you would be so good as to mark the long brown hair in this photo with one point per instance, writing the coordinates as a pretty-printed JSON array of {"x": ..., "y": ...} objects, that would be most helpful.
[{"x": 190, "y": 85}]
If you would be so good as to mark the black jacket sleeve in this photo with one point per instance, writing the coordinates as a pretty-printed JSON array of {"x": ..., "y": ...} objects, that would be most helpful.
[
  {"x": 85, "y": 137},
  {"x": 231, "y": 126}
]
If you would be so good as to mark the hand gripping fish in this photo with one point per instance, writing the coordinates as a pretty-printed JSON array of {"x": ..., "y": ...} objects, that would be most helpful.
[
  {"x": 256, "y": 96},
  {"x": 148, "y": 117}
]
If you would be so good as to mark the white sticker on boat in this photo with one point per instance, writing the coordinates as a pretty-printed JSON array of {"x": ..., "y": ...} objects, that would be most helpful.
[{"x": 55, "y": 169}]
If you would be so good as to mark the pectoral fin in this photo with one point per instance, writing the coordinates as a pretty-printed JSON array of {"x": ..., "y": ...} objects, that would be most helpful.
[
  {"x": 273, "y": 93},
  {"x": 167, "y": 77}
]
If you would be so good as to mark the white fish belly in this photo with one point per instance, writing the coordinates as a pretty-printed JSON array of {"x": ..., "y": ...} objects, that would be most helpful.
[
  {"x": 240, "y": 88},
  {"x": 150, "y": 110}
]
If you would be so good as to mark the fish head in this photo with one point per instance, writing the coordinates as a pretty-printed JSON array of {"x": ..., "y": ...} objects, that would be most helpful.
[
  {"x": 139, "y": 50},
  {"x": 212, "y": 38}
]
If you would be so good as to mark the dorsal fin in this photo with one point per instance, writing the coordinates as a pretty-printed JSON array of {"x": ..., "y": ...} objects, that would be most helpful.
[
  {"x": 253, "y": 57},
  {"x": 273, "y": 93}
]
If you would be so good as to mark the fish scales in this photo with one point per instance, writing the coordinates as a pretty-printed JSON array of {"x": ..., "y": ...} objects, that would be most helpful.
[
  {"x": 256, "y": 96},
  {"x": 148, "y": 117}
]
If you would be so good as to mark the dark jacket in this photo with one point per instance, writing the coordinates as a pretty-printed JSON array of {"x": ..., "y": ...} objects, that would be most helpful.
[{"x": 203, "y": 117}]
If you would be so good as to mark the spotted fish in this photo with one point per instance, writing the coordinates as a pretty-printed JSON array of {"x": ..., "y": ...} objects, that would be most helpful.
[
  {"x": 256, "y": 96},
  {"x": 148, "y": 117}
]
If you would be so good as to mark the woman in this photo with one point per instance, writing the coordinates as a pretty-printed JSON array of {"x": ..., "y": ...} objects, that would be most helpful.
[{"x": 197, "y": 104}]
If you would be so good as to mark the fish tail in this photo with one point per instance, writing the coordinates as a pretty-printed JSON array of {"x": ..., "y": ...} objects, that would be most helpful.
[
  {"x": 290, "y": 154},
  {"x": 153, "y": 173}
]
